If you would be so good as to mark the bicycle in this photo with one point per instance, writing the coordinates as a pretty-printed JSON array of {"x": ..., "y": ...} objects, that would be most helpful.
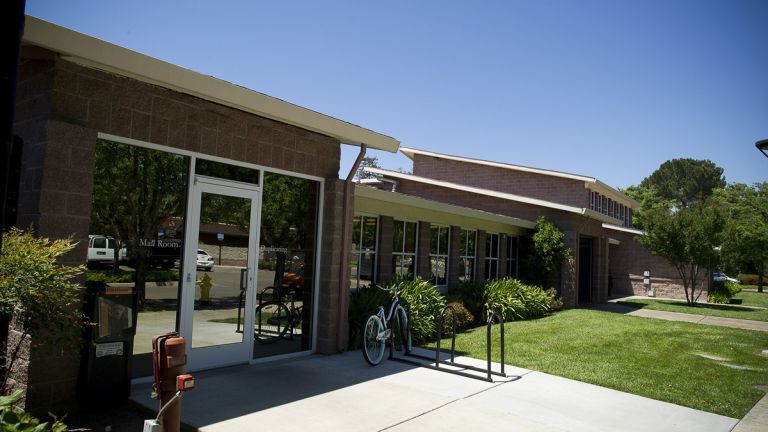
[
  {"x": 377, "y": 332},
  {"x": 273, "y": 319}
]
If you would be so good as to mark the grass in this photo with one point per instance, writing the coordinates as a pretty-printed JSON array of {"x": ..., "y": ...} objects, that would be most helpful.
[
  {"x": 710, "y": 309},
  {"x": 122, "y": 275},
  {"x": 652, "y": 358}
]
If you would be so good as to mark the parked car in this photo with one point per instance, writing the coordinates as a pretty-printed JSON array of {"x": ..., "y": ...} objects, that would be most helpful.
[
  {"x": 204, "y": 261},
  {"x": 101, "y": 249},
  {"x": 721, "y": 277}
]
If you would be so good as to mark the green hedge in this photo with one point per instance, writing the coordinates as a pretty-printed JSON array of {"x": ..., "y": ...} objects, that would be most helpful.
[
  {"x": 722, "y": 292},
  {"x": 423, "y": 302},
  {"x": 511, "y": 298}
]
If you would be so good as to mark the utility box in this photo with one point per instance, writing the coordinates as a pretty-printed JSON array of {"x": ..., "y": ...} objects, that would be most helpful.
[
  {"x": 647, "y": 283},
  {"x": 105, "y": 374}
]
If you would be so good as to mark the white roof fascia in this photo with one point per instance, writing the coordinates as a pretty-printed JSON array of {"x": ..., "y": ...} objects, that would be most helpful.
[
  {"x": 623, "y": 229},
  {"x": 589, "y": 182},
  {"x": 410, "y": 200},
  {"x": 613, "y": 241},
  {"x": 95, "y": 53},
  {"x": 486, "y": 192}
]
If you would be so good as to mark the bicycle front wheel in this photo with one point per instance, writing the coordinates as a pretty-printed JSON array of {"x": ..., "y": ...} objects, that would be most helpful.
[
  {"x": 373, "y": 343},
  {"x": 271, "y": 321}
]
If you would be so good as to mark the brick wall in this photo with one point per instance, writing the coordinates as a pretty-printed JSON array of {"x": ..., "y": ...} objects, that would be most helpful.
[
  {"x": 60, "y": 108},
  {"x": 545, "y": 187}
]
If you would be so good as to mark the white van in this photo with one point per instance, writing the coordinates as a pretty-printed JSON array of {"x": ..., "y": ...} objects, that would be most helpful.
[{"x": 101, "y": 249}]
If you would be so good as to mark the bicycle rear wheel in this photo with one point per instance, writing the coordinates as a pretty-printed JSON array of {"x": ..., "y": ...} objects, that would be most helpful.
[
  {"x": 271, "y": 321},
  {"x": 373, "y": 344}
]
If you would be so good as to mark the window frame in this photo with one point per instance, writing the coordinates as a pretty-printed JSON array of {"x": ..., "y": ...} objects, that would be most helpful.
[
  {"x": 488, "y": 260},
  {"x": 360, "y": 251},
  {"x": 463, "y": 277},
  {"x": 439, "y": 254},
  {"x": 516, "y": 260},
  {"x": 401, "y": 252}
]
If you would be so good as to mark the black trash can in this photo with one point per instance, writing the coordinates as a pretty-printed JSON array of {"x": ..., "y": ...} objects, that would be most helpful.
[{"x": 105, "y": 374}]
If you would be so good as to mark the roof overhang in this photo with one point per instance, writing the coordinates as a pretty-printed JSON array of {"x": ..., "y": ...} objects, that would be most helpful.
[
  {"x": 623, "y": 229},
  {"x": 98, "y": 54},
  {"x": 380, "y": 202}
]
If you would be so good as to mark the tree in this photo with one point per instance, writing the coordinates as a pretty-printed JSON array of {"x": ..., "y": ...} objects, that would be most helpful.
[
  {"x": 649, "y": 200},
  {"x": 135, "y": 190},
  {"x": 684, "y": 181},
  {"x": 367, "y": 162},
  {"x": 687, "y": 237},
  {"x": 548, "y": 251},
  {"x": 745, "y": 239}
]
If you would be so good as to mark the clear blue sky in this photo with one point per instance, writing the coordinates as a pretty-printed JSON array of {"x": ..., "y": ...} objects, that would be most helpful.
[{"x": 602, "y": 88}]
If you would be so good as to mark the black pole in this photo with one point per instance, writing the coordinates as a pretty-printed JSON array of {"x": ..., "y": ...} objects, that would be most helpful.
[{"x": 10, "y": 45}]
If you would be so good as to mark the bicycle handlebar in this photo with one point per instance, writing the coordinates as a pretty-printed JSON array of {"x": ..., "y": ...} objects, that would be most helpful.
[{"x": 394, "y": 288}]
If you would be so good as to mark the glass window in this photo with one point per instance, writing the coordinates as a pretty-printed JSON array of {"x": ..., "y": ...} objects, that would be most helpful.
[
  {"x": 491, "y": 256},
  {"x": 138, "y": 203},
  {"x": 439, "y": 239},
  {"x": 363, "y": 260},
  {"x": 512, "y": 256},
  {"x": 226, "y": 171},
  {"x": 404, "y": 249},
  {"x": 467, "y": 255},
  {"x": 287, "y": 255}
]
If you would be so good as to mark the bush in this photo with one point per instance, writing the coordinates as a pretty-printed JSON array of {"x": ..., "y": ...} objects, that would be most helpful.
[
  {"x": 362, "y": 304},
  {"x": 15, "y": 419},
  {"x": 557, "y": 302},
  {"x": 514, "y": 300},
  {"x": 722, "y": 292},
  {"x": 423, "y": 302},
  {"x": 464, "y": 318},
  {"x": 471, "y": 296},
  {"x": 122, "y": 276}
]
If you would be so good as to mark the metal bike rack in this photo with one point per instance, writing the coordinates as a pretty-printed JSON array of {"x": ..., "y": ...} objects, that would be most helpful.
[{"x": 436, "y": 361}]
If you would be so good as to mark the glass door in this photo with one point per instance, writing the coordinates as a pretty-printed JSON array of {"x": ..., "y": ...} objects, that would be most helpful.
[{"x": 219, "y": 272}]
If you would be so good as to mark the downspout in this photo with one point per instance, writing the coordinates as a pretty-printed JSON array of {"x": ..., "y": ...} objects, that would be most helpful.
[{"x": 346, "y": 223}]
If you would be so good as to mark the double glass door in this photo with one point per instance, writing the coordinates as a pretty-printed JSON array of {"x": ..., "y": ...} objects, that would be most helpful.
[{"x": 220, "y": 262}]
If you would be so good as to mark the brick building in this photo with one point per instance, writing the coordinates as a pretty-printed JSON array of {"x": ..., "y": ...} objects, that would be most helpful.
[{"x": 595, "y": 218}]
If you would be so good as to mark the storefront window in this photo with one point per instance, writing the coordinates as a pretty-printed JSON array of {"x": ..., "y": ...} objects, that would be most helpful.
[
  {"x": 137, "y": 233},
  {"x": 404, "y": 249},
  {"x": 287, "y": 257},
  {"x": 438, "y": 254},
  {"x": 363, "y": 251}
]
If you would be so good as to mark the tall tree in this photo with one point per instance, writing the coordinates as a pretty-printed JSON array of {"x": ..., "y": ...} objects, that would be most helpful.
[
  {"x": 745, "y": 243},
  {"x": 367, "y": 162},
  {"x": 687, "y": 237},
  {"x": 685, "y": 181}
]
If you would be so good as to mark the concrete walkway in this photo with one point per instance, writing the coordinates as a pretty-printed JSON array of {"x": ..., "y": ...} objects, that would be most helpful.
[
  {"x": 685, "y": 317},
  {"x": 342, "y": 393},
  {"x": 756, "y": 419}
]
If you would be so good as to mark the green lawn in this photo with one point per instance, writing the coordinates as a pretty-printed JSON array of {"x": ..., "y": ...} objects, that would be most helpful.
[
  {"x": 653, "y": 358},
  {"x": 710, "y": 309}
]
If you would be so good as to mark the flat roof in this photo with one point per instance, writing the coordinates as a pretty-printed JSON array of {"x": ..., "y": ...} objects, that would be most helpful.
[
  {"x": 98, "y": 54},
  {"x": 596, "y": 184}
]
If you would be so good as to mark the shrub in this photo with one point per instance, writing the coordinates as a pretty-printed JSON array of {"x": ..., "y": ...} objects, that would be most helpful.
[
  {"x": 557, "y": 302},
  {"x": 471, "y": 296},
  {"x": 108, "y": 276},
  {"x": 516, "y": 301},
  {"x": 423, "y": 302},
  {"x": 362, "y": 304},
  {"x": 464, "y": 318},
  {"x": 39, "y": 293},
  {"x": 722, "y": 292},
  {"x": 15, "y": 419}
]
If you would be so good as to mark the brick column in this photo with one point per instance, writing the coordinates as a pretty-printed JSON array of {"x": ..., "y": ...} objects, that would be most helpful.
[
  {"x": 384, "y": 251},
  {"x": 569, "y": 273},
  {"x": 503, "y": 239},
  {"x": 331, "y": 287},
  {"x": 480, "y": 257},
  {"x": 454, "y": 259},
  {"x": 423, "y": 268}
]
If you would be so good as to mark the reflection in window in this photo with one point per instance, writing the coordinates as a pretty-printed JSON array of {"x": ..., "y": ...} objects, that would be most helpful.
[
  {"x": 404, "y": 249},
  {"x": 512, "y": 256},
  {"x": 491, "y": 256},
  {"x": 467, "y": 255},
  {"x": 363, "y": 251},
  {"x": 287, "y": 256},
  {"x": 137, "y": 226},
  {"x": 226, "y": 171},
  {"x": 438, "y": 254}
]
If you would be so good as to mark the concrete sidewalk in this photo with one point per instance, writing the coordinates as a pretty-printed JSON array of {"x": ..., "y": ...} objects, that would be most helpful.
[
  {"x": 679, "y": 316},
  {"x": 342, "y": 393}
]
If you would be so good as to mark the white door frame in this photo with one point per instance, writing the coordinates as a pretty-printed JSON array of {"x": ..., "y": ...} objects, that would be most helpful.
[{"x": 228, "y": 354}]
